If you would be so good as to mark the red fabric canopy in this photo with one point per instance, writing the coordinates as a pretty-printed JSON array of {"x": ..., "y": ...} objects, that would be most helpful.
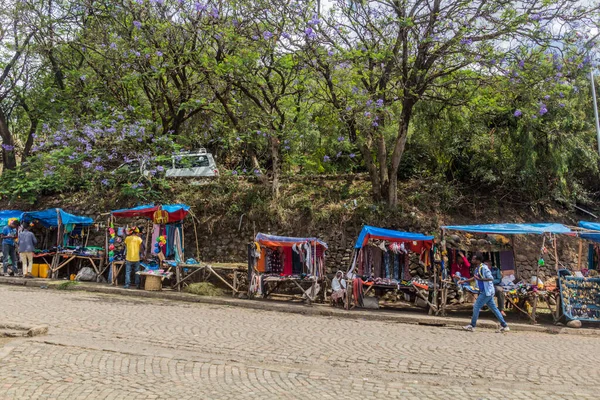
[{"x": 141, "y": 211}]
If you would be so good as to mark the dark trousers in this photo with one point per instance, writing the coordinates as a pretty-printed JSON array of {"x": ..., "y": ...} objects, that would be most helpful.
[{"x": 9, "y": 253}]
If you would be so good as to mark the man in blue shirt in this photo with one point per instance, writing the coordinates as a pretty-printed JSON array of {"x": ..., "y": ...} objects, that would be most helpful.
[
  {"x": 9, "y": 234},
  {"x": 485, "y": 282}
]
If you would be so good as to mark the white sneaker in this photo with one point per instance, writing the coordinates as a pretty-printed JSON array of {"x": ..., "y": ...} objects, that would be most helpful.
[
  {"x": 469, "y": 328},
  {"x": 504, "y": 329}
]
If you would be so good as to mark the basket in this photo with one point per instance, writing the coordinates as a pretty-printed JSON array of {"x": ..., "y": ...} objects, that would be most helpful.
[{"x": 153, "y": 283}]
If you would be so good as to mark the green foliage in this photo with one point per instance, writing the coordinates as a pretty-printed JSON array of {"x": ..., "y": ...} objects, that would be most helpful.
[{"x": 480, "y": 93}]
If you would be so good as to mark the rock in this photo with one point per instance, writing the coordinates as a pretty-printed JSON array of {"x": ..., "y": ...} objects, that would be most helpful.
[
  {"x": 37, "y": 331},
  {"x": 574, "y": 324}
]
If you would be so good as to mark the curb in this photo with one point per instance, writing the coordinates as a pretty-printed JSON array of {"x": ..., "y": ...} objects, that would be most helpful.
[
  {"x": 312, "y": 310},
  {"x": 29, "y": 331}
]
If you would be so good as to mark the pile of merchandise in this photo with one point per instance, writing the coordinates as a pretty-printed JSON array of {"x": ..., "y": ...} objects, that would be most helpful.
[{"x": 580, "y": 297}]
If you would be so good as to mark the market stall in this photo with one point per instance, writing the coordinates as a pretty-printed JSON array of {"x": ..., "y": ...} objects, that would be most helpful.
[
  {"x": 164, "y": 240},
  {"x": 525, "y": 296},
  {"x": 390, "y": 260},
  {"x": 65, "y": 240},
  {"x": 276, "y": 260}
]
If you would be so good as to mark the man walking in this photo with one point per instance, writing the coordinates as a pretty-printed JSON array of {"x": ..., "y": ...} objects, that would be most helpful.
[
  {"x": 27, "y": 242},
  {"x": 132, "y": 257},
  {"x": 9, "y": 234},
  {"x": 485, "y": 281}
]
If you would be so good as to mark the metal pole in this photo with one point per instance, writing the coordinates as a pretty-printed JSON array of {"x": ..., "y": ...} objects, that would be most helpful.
[{"x": 595, "y": 109}]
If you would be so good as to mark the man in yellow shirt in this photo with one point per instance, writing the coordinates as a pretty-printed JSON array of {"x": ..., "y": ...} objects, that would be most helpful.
[{"x": 133, "y": 242}]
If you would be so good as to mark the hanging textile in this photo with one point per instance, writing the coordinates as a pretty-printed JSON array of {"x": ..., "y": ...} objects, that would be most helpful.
[
  {"x": 160, "y": 217},
  {"x": 155, "y": 234},
  {"x": 296, "y": 263},
  {"x": 357, "y": 288},
  {"x": 406, "y": 268},
  {"x": 361, "y": 262},
  {"x": 262, "y": 261},
  {"x": 275, "y": 262},
  {"x": 507, "y": 261},
  {"x": 287, "y": 261},
  {"x": 178, "y": 250},
  {"x": 377, "y": 261},
  {"x": 397, "y": 266},
  {"x": 170, "y": 246},
  {"x": 386, "y": 264}
]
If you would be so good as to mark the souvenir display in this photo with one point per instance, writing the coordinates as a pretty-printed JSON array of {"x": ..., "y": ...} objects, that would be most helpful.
[{"x": 580, "y": 297}]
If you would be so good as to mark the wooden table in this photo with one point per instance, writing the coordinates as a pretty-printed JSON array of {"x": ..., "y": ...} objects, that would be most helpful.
[
  {"x": 57, "y": 264},
  {"x": 180, "y": 278},
  {"x": 116, "y": 266}
]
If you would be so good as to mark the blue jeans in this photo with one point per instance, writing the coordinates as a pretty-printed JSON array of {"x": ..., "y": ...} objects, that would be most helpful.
[
  {"x": 128, "y": 265},
  {"x": 483, "y": 300},
  {"x": 9, "y": 252}
]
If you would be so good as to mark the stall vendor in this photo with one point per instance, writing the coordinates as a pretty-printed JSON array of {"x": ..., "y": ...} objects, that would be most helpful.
[
  {"x": 462, "y": 265},
  {"x": 498, "y": 289},
  {"x": 132, "y": 257},
  {"x": 9, "y": 234},
  {"x": 338, "y": 287},
  {"x": 460, "y": 270}
]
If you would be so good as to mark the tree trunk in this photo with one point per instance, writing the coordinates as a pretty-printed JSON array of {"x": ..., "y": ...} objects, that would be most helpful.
[
  {"x": 276, "y": 167},
  {"x": 392, "y": 193},
  {"x": 29, "y": 141},
  {"x": 9, "y": 161},
  {"x": 373, "y": 172},
  {"x": 33, "y": 123}
]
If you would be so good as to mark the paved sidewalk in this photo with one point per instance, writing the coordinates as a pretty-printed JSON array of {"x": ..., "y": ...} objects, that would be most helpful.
[
  {"x": 407, "y": 317},
  {"x": 103, "y": 346}
]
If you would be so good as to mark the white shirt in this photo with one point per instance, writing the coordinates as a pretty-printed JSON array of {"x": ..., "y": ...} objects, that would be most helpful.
[{"x": 338, "y": 284}]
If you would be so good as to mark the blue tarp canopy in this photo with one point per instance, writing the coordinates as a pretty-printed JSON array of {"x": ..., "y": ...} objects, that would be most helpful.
[
  {"x": 283, "y": 241},
  {"x": 593, "y": 226},
  {"x": 371, "y": 232},
  {"x": 514, "y": 229},
  {"x": 49, "y": 218},
  {"x": 5, "y": 215}
]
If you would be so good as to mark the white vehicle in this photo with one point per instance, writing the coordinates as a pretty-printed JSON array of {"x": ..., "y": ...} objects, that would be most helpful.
[{"x": 194, "y": 164}]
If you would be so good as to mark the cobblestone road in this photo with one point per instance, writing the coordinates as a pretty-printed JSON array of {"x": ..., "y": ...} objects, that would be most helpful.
[{"x": 106, "y": 347}]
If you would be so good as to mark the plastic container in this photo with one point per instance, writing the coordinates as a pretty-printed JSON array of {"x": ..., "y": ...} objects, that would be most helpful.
[
  {"x": 35, "y": 270},
  {"x": 44, "y": 270}
]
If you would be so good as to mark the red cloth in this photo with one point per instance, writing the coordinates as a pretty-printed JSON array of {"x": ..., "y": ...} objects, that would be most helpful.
[
  {"x": 287, "y": 261},
  {"x": 462, "y": 268}
]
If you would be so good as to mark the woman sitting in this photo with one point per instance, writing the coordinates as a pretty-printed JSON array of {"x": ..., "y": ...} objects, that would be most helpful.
[{"x": 338, "y": 287}]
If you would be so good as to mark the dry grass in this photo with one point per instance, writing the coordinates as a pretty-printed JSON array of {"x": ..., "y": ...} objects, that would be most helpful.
[{"x": 204, "y": 289}]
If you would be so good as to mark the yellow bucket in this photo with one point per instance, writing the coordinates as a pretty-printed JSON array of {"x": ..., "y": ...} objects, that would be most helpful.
[
  {"x": 35, "y": 270},
  {"x": 44, "y": 270}
]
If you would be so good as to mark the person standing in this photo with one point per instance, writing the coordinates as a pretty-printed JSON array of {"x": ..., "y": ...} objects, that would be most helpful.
[
  {"x": 498, "y": 289},
  {"x": 9, "y": 234},
  {"x": 485, "y": 282},
  {"x": 132, "y": 256},
  {"x": 27, "y": 242}
]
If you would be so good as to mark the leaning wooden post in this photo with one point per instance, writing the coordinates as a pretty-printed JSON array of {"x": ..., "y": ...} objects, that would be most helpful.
[
  {"x": 147, "y": 239},
  {"x": 580, "y": 254},
  {"x": 444, "y": 259},
  {"x": 556, "y": 254}
]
